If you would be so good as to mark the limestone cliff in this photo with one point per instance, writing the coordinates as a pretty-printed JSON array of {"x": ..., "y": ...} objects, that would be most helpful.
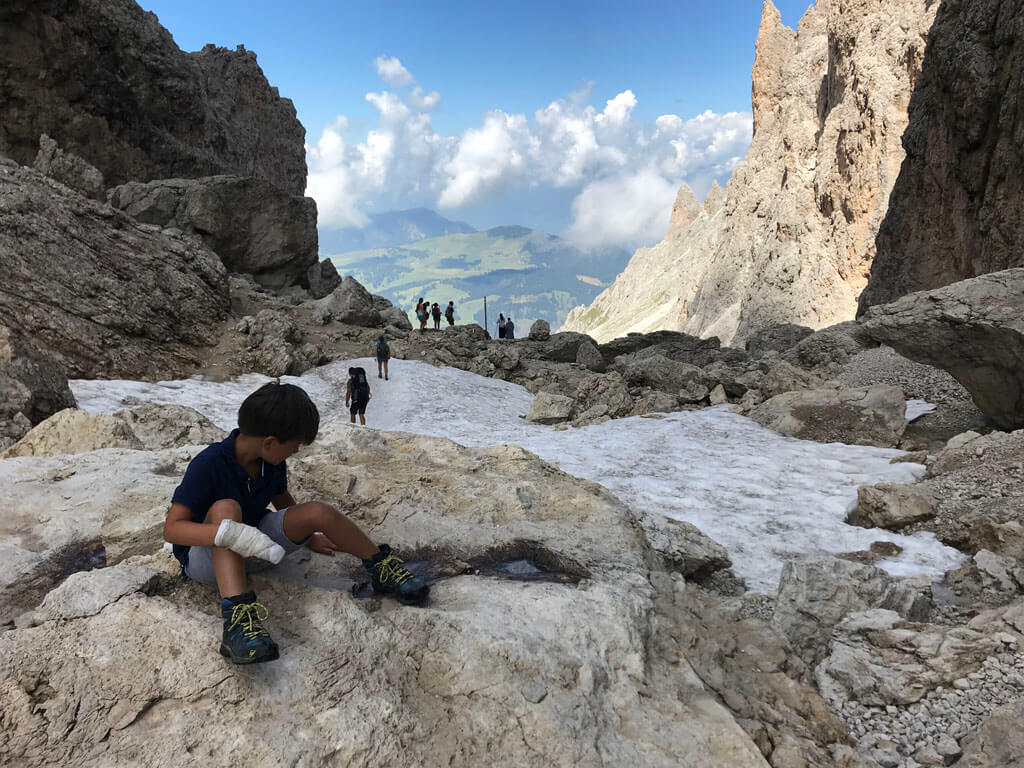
[
  {"x": 957, "y": 209},
  {"x": 109, "y": 84},
  {"x": 793, "y": 239}
]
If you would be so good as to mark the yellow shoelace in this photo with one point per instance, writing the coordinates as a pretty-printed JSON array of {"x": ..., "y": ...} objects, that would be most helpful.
[
  {"x": 252, "y": 614},
  {"x": 391, "y": 570}
]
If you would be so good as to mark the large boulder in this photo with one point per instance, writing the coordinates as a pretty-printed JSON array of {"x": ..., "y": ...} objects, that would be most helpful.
[
  {"x": 350, "y": 303},
  {"x": 892, "y": 506},
  {"x": 69, "y": 169},
  {"x": 864, "y": 416},
  {"x": 275, "y": 345},
  {"x": 973, "y": 329},
  {"x": 660, "y": 372},
  {"x": 106, "y": 295},
  {"x": 540, "y": 330},
  {"x": 542, "y": 613},
  {"x": 548, "y": 408},
  {"x": 815, "y": 594},
  {"x": 74, "y": 431},
  {"x": 109, "y": 84},
  {"x": 254, "y": 226},
  {"x": 776, "y": 338},
  {"x": 601, "y": 397},
  {"x": 164, "y": 425}
]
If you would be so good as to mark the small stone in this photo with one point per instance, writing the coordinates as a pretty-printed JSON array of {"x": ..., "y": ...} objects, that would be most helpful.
[{"x": 947, "y": 746}]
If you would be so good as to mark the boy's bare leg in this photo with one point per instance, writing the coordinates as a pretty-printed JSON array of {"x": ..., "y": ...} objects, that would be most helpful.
[
  {"x": 353, "y": 419},
  {"x": 227, "y": 565},
  {"x": 362, "y": 419},
  {"x": 303, "y": 520},
  {"x": 385, "y": 368}
]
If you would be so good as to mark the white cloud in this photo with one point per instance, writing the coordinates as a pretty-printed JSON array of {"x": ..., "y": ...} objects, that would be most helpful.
[
  {"x": 627, "y": 171},
  {"x": 622, "y": 210},
  {"x": 488, "y": 159},
  {"x": 392, "y": 72}
]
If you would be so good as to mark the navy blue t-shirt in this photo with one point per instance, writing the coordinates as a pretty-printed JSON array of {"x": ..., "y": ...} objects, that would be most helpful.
[{"x": 215, "y": 474}]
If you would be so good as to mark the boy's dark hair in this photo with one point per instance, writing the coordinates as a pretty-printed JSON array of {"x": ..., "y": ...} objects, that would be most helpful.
[{"x": 279, "y": 410}]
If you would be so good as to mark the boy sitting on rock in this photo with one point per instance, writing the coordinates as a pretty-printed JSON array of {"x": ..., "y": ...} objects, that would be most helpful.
[{"x": 221, "y": 528}]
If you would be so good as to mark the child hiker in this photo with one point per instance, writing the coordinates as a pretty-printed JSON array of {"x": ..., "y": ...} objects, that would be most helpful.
[{"x": 222, "y": 530}]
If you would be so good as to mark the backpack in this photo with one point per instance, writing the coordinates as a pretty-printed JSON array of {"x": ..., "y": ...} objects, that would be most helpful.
[
  {"x": 383, "y": 351},
  {"x": 360, "y": 386},
  {"x": 450, "y": 312}
]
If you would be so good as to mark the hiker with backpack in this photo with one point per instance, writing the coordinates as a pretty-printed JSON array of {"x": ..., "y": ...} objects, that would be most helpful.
[
  {"x": 383, "y": 355},
  {"x": 357, "y": 394},
  {"x": 435, "y": 312},
  {"x": 449, "y": 313},
  {"x": 510, "y": 329},
  {"x": 501, "y": 326}
]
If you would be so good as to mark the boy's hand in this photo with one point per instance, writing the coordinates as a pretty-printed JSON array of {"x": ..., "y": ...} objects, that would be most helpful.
[
  {"x": 248, "y": 541},
  {"x": 321, "y": 545}
]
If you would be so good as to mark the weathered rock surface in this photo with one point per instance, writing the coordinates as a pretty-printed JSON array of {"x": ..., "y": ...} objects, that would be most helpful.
[
  {"x": 109, "y": 84},
  {"x": 1000, "y": 742},
  {"x": 254, "y": 226},
  {"x": 957, "y": 209},
  {"x": 351, "y": 303},
  {"x": 548, "y": 408},
  {"x": 973, "y": 329},
  {"x": 565, "y": 656},
  {"x": 69, "y": 169},
  {"x": 892, "y": 506},
  {"x": 274, "y": 345},
  {"x": 815, "y": 595},
  {"x": 977, "y": 489},
  {"x": 32, "y": 386},
  {"x": 75, "y": 431},
  {"x": 104, "y": 295},
  {"x": 864, "y": 416},
  {"x": 159, "y": 426},
  {"x": 878, "y": 658},
  {"x": 795, "y": 236},
  {"x": 540, "y": 330}
]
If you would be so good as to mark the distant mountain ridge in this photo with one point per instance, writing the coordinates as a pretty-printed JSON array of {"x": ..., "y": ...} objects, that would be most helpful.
[
  {"x": 389, "y": 229},
  {"x": 525, "y": 273}
]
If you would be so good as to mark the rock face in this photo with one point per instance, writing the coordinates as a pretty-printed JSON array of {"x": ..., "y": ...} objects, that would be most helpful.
[
  {"x": 580, "y": 659},
  {"x": 957, "y": 210},
  {"x": 74, "y": 431},
  {"x": 253, "y": 226},
  {"x": 101, "y": 293},
  {"x": 814, "y": 596},
  {"x": 795, "y": 236},
  {"x": 109, "y": 84},
  {"x": 973, "y": 329},
  {"x": 69, "y": 169}
]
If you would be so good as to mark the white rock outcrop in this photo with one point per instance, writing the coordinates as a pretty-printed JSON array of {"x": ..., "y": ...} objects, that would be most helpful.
[{"x": 794, "y": 238}]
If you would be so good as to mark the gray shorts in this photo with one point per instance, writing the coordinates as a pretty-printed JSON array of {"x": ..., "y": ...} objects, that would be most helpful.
[{"x": 200, "y": 564}]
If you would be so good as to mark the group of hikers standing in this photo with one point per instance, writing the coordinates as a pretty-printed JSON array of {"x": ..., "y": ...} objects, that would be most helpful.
[
  {"x": 425, "y": 311},
  {"x": 506, "y": 328}
]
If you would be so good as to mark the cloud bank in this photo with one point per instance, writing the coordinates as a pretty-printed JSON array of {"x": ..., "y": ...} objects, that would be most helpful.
[{"x": 626, "y": 171}]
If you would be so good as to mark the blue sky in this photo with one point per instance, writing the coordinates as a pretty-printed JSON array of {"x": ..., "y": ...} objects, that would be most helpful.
[{"x": 453, "y": 123}]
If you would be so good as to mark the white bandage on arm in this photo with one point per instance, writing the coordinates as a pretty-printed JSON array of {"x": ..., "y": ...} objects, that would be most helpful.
[{"x": 248, "y": 541}]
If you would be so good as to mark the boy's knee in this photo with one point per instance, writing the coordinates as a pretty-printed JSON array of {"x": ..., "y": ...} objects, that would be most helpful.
[{"x": 225, "y": 509}]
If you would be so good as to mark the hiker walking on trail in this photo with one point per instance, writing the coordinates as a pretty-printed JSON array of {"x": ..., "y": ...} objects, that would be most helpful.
[
  {"x": 383, "y": 355},
  {"x": 510, "y": 329},
  {"x": 501, "y": 326},
  {"x": 435, "y": 312},
  {"x": 449, "y": 313},
  {"x": 357, "y": 394}
]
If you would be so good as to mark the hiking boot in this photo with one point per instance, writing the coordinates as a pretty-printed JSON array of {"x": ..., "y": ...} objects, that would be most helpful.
[
  {"x": 385, "y": 378},
  {"x": 389, "y": 576},
  {"x": 245, "y": 640},
  {"x": 380, "y": 376}
]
